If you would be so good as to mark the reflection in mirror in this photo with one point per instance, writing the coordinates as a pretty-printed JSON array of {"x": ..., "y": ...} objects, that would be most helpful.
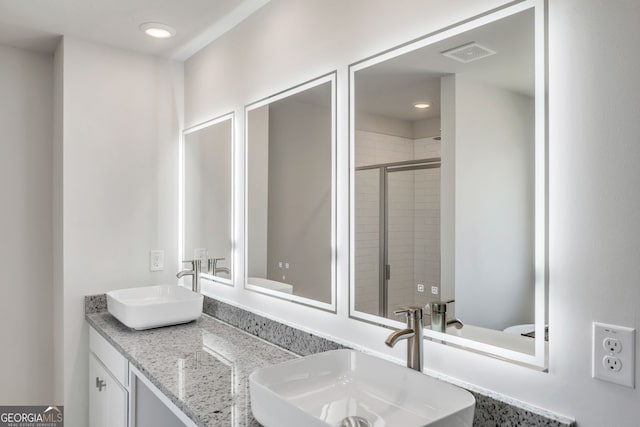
[
  {"x": 207, "y": 214},
  {"x": 290, "y": 196},
  {"x": 444, "y": 174}
]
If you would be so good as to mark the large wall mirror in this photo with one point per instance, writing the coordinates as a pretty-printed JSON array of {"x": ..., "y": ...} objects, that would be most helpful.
[
  {"x": 290, "y": 194},
  {"x": 448, "y": 177},
  {"x": 207, "y": 203}
]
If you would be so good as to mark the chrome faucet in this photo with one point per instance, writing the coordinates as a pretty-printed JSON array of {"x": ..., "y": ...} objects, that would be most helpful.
[
  {"x": 439, "y": 320},
  {"x": 212, "y": 266},
  {"x": 413, "y": 334},
  {"x": 196, "y": 267}
]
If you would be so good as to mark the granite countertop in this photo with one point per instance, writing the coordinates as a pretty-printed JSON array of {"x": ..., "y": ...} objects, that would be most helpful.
[{"x": 203, "y": 367}]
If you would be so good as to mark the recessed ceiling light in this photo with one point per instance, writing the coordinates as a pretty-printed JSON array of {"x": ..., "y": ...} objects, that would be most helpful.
[
  {"x": 157, "y": 30},
  {"x": 421, "y": 105}
]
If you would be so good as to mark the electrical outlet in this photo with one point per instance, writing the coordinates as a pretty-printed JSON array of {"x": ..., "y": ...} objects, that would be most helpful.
[
  {"x": 434, "y": 290},
  {"x": 613, "y": 354},
  {"x": 612, "y": 345},
  {"x": 156, "y": 260},
  {"x": 279, "y": 264},
  {"x": 420, "y": 287},
  {"x": 286, "y": 265},
  {"x": 612, "y": 363}
]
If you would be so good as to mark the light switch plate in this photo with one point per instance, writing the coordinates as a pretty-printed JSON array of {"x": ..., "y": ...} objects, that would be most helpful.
[{"x": 614, "y": 354}]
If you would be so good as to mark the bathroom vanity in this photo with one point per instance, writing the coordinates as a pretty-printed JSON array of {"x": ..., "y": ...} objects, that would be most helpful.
[
  {"x": 197, "y": 374},
  {"x": 194, "y": 374}
]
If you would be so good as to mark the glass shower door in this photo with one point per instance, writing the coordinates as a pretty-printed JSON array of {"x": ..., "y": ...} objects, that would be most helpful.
[
  {"x": 397, "y": 235},
  {"x": 412, "y": 235},
  {"x": 400, "y": 239}
]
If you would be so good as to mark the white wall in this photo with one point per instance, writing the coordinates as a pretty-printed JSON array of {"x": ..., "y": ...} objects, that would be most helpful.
[
  {"x": 594, "y": 233},
  {"x": 299, "y": 207},
  {"x": 26, "y": 102},
  {"x": 384, "y": 125},
  {"x": 593, "y": 151},
  {"x": 57, "y": 221},
  {"x": 119, "y": 147},
  {"x": 258, "y": 188},
  {"x": 427, "y": 128},
  {"x": 494, "y": 207},
  {"x": 207, "y": 195}
]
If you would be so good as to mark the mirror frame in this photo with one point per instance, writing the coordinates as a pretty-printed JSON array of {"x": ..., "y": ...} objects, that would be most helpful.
[
  {"x": 181, "y": 196},
  {"x": 326, "y": 78},
  {"x": 538, "y": 360}
]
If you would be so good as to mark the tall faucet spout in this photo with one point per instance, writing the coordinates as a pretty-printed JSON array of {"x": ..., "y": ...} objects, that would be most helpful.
[
  {"x": 184, "y": 273},
  {"x": 455, "y": 322},
  {"x": 413, "y": 334},
  {"x": 401, "y": 334},
  {"x": 194, "y": 272}
]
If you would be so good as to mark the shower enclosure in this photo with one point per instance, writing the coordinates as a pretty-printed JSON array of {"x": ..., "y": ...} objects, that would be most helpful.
[{"x": 397, "y": 235}]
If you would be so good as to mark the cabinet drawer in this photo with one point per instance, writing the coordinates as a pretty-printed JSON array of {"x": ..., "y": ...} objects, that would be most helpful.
[{"x": 110, "y": 357}]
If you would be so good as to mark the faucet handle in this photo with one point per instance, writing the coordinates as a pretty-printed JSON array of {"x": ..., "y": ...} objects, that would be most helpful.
[
  {"x": 195, "y": 263},
  {"x": 410, "y": 311},
  {"x": 212, "y": 263},
  {"x": 440, "y": 306}
]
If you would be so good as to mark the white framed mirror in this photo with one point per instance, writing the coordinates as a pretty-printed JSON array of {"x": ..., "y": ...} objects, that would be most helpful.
[
  {"x": 448, "y": 183},
  {"x": 290, "y": 194},
  {"x": 206, "y": 202}
]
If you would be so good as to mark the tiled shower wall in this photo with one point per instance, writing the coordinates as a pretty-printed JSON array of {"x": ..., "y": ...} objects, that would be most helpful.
[
  {"x": 427, "y": 223},
  {"x": 366, "y": 241},
  {"x": 414, "y": 222}
]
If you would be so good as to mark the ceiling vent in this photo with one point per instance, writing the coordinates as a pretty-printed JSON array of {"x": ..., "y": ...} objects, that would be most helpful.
[{"x": 468, "y": 52}]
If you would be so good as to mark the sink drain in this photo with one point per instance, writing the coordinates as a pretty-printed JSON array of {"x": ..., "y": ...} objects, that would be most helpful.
[{"x": 354, "y": 421}]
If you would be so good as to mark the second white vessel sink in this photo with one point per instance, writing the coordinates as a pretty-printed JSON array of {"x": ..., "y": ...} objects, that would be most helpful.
[
  {"x": 154, "y": 306},
  {"x": 345, "y": 388}
]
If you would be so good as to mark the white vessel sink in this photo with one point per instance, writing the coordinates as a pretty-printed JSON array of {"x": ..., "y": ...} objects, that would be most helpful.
[
  {"x": 154, "y": 306},
  {"x": 326, "y": 389}
]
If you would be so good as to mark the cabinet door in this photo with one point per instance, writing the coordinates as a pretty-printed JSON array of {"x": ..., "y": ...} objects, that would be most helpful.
[{"x": 107, "y": 398}]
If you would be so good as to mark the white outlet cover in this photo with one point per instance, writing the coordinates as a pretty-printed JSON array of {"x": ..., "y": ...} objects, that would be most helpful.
[
  {"x": 156, "y": 260},
  {"x": 602, "y": 357}
]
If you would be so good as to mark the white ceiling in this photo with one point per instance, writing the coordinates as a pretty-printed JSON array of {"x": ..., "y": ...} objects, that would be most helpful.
[
  {"x": 390, "y": 88},
  {"x": 38, "y": 24}
]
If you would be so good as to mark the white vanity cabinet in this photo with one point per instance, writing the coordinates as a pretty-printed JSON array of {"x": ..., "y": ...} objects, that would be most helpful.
[
  {"x": 121, "y": 396},
  {"x": 108, "y": 384}
]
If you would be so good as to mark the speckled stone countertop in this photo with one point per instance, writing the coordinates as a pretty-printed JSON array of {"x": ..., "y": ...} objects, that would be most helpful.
[
  {"x": 212, "y": 351},
  {"x": 203, "y": 367}
]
